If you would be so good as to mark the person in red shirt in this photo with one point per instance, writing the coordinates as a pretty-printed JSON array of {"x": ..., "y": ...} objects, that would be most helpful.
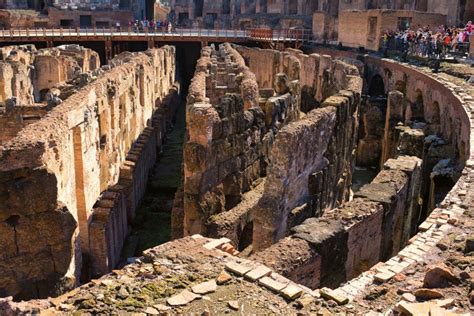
[{"x": 469, "y": 27}]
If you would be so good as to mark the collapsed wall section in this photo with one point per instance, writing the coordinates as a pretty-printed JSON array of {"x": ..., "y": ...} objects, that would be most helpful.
[{"x": 54, "y": 171}]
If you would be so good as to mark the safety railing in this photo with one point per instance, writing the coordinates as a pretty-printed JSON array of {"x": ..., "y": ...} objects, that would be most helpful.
[{"x": 247, "y": 34}]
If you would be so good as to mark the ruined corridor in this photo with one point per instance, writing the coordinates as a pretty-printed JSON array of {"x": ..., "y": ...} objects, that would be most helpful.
[{"x": 231, "y": 179}]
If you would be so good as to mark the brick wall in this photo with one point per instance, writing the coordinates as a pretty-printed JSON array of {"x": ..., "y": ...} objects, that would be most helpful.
[
  {"x": 365, "y": 28},
  {"x": 76, "y": 153},
  {"x": 346, "y": 241},
  {"x": 320, "y": 179},
  {"x": 229, "y": 135},
  {"x": 104, "y": 18}
]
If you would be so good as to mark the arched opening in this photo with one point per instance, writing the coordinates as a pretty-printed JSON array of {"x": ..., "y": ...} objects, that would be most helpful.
[
  {"x": 376, "y": 87},
  {"x": 418, "y": 106},
  {"x": 246, "y": 236},
  {"x": 42, "y": 94}
]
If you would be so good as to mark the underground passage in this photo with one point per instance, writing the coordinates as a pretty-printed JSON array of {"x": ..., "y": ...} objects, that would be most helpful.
[{"x": 223, "y": 177}]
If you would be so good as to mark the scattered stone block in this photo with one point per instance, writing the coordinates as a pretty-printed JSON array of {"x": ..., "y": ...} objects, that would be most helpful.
[
  {"x": 162, "y": 308},
  {"x": 427, "y": 294},
  {"x": 305, "y": 300},
  {"x": 409, "y": 297},
  {"x": 216, "y": 243},
  {"x": 151, "y": 311},
  {"x": 205, "y": 287},
  {"x": 183, "y": 298},
  {"x": 233, "y": 305},
  {"x": 223, "y": 278},
  {"x": 437, "y": 311},
  {"x": 414, "y": 309},
  {"x": 445, "y": 303},
  {"x": 439, "y": 277},
  {"x": 425, "y": 226}
]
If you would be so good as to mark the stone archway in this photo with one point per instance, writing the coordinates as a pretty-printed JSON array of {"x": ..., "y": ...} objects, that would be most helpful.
[{"x": 377, "y": 86}]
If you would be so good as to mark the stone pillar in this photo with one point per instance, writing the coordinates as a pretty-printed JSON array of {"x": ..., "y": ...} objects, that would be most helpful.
[
  {"x": 201, "y": 119},
  {"x": 395, "y": 114},
  {"x": 411, "y": 166},
  {"x": 390, "y": 189}
]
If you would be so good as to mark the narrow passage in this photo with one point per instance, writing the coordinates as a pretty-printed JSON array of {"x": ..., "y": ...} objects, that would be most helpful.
[{"x": 152, "y": 225}]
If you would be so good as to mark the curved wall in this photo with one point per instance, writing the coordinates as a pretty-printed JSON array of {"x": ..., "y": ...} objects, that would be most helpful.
[{"x": 440, "y": 97}]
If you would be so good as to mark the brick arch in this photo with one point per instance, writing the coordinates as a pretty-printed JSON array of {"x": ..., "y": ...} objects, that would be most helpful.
[{"x": 376, "y": 86}]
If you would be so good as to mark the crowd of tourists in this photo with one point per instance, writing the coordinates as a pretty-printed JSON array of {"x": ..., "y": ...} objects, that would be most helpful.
[
  {"x": 426, "y": 42},
  {"x": 141, "y": 25}
]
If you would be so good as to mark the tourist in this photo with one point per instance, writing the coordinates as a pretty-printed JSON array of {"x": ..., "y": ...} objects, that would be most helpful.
[{"x": 425, "y": 43}]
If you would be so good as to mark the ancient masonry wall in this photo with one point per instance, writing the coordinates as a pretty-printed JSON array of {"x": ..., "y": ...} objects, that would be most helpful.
[
  {"x": 27, "y": 77},
  {"x": 348, "y": 240},
  {"x": 458, "y": 108},
  {"x": 315, "y": 155},
  {"x": 289, "y": 208},
  {"x": 379, "y": 222},
  {"x": 55, "y": 170},
  {"x": 229, "y": 134},
  {"x": 320, "y": 76}
]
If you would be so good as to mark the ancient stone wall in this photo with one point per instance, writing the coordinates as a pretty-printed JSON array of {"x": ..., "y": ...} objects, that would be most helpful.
[
  {"x": 390, "y": 209},
  {"x": 321, "y": 180},
  {"x": 365, "y": 28},
  {"x": 28, "y": 76},
  {"x": 229, "y": 134},
  {"x": 61, "y": 64},
  {"x": 345, "y": 241},
  {"x": 241, "y": 14},
  {"x": 114, "y": 211},
  {"x": 320, "y": 76},
  {"x": 315, "y": 155},
  {"x": 55, "y": 170},
  {"x": 414, "y": 124},
  {"x": 15, "y": 73}
]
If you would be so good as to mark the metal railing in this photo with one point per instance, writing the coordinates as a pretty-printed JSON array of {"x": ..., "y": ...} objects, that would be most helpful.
[{"x": 133, "y": 32}]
